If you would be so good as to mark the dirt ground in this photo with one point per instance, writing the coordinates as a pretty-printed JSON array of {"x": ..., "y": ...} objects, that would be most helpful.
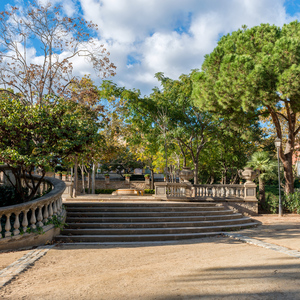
[
  {"x": 210, "y": 268},
  {"x": 7, "y": 258}
]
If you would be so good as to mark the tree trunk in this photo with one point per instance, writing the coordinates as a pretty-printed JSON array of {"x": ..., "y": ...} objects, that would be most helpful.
[
  {"x": 288, "y": 173},
  {"x": 152, "y": 180},
  {"x": 82, "y": 179},
  {"x": 93, "y": 178},
  {"x": 196, "y": 167},
  {"x": 287, "y": 154},
  {"x": 75, "y": 178},
  {"x": 261, "y": 188},
  {"x": 89, "y": 183}
]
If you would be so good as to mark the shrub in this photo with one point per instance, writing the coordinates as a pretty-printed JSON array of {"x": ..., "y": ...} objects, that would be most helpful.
[
  {"x": 292, "y": 202},
  {"x": 149, "y": 191},
  {"x": 271, "y": 203}
]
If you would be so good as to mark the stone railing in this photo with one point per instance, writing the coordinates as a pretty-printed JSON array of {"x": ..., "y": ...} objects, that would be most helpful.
[
  {"x": 241, "y": 198},
  {"x": 23, "y": 220},
  {"x": 218, "y": 191},
  {"x": 169, "y": 190}
]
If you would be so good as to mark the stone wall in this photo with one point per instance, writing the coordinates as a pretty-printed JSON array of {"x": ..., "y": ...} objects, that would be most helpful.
[
  {"x": 247, "y": 208},
  {"x": 116, "y": 184}
]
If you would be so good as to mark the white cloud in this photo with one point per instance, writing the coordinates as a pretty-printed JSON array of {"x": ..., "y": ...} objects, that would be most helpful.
[
  {"x": 170, "y": 36},
  {"x": 150, "y": 32}
]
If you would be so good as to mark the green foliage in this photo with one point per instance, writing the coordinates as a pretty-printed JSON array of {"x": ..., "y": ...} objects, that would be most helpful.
[
  {"x": 292, "y": 202},
  {"x": 270, "y": 204},
  {"x": 57, "y": 222},
  {"x": 262, "y": 162},
  {"x": 149, "y": 191},
  {"x": 40, "y": 136},
  {"x": 255, "y": 72}
]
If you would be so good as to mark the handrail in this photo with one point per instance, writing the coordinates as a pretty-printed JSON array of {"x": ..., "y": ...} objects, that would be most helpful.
[{"x": 41, "y": 210}]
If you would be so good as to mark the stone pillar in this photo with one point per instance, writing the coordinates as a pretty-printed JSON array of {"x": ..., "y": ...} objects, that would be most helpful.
[
  {"x": 161, "y": 190},
  {"x": 147, "y": 182},
  {"x": 127, "y": 179},
  {"x": 250, "y": 191}
]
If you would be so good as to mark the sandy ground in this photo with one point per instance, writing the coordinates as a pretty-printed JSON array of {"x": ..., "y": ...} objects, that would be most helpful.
[
  {"x": 7, "y": 258},
  {"x": 210, "y": 268}
]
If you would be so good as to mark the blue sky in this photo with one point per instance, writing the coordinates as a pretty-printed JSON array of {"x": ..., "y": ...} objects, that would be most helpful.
[{"x": 170, "y": 36}]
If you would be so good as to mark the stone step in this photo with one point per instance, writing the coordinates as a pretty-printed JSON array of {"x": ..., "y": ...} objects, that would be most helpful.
[
  {"x": 147, "y": 237},
  {"x": 143, "y": 231},
  {"x": 137, "y": 204},
  {"x": 159, "y": 214},
  {"x": 72, "y": 209},
  {"x": 132, "y": 238},
  {"x": 150, "y": 219},
  {"x": 143, "y": 221},
  {"x": 212, "y": 222}
]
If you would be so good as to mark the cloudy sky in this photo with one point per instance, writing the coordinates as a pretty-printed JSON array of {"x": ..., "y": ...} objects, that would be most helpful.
[{"x": 169, "y": 36}]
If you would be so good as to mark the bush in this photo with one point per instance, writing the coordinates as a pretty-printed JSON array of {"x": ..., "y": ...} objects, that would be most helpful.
[
  {"x": 149, "y": 191},
  {"x": 271, "y": 203},
  {"x": 292, "y": 202}
]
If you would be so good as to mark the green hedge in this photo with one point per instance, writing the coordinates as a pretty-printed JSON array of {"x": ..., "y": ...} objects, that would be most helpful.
[
  {"x": 149, "y": 191},
  {"x": 292, "y": 202}
]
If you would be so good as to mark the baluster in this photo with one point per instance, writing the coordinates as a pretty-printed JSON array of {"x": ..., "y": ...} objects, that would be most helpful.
[
  {"x": 227, "y": 192},
  {"x": 40, "y": 218},
  {"x": 50, "y": 210},
  {"x": 213, "y": 191},
  {"x": 54, "y": 208},
  {"x": 17, "y": 225},
  {"x": 59, "y": 205},
  {"x": 7, "y": 226},
  {"x": 33, "y": 218},
  {"x": 46, "y": 215},
  {"x": 0, "y": 228},
  {"x": 25, "y": 220}
]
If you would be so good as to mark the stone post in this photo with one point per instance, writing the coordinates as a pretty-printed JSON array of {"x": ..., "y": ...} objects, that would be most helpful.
[
  {"x": 127, "y": 179},
  {"x": 147, "y": 182},
  {"x": 250, "y": 191},
  {"x": 107, "y": 181}
]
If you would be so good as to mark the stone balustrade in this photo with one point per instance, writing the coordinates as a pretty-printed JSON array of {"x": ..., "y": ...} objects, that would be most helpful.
[
  {"x": 218, "y": 191},
  {"x": 23, "y": 220},
  {"x": 168, "y": 190},
  {"x": 240, "y": 198}
]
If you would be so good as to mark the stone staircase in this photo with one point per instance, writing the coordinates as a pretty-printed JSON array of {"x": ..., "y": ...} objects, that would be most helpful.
[{"x": 106, "y": 222}]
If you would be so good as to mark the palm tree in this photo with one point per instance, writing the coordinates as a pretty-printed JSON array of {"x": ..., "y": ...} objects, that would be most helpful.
[{"x": 261, "y": 161}]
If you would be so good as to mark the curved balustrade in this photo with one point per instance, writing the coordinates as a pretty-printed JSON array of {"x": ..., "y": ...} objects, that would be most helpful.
[{"x": 33, "y": 214}]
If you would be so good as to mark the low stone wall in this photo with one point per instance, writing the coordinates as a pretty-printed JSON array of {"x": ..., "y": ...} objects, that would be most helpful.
[
  {"x": 116, "y": 184},
  {"x": 247, "y": 208}
]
